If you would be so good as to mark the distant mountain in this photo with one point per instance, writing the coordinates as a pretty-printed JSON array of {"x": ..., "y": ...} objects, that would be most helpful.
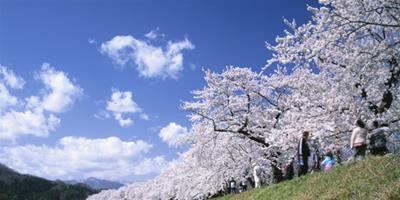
[
  {"x": 96, "y": 183},
  {"x": 16, "y": 186}
]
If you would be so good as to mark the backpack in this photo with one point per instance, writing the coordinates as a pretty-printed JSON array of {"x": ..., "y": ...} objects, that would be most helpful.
[{"x": 377, "y": 140}]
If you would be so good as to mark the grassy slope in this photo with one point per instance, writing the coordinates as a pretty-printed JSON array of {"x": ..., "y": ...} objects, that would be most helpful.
[{"x": 374, "y": 178}]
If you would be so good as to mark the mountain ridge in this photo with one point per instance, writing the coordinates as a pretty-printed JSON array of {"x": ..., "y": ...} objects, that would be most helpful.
[
  {"x": 16, "y": 186},
  {"x": 96, "y": 183}
]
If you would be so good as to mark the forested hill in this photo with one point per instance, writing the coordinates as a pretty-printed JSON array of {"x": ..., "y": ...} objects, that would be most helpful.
[
  {"x": 374, "y": 178},
  {"x": 16, "y": 186}
]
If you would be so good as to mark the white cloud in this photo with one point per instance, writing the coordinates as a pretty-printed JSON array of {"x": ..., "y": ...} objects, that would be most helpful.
[
  {"x": 34, "y": 115},
  {"x": 172, "y": 133},
  {"x": 121, "y": 103},
  {"x": 151, "y": 165},
  {"x": 151, "y": 35},
  {"x": 78, "y": 157},
  {"x": 119, "y": 49},
  {"x": 102, "y": 114},
  {"x": 155, "y": 35},
  {"x": 92, "y": 41},
  {"x": 124, "y": 122},
  {"x": 144, "y": 116},
  {"x": 8, "y": 79},
  {"x": 29, "y": 122},
  {"x": 6, "y": 99},
  {"x": 61, "y": 91},
  {"x": 151, "y": 61},
  {"x": 11, "y": 79}
]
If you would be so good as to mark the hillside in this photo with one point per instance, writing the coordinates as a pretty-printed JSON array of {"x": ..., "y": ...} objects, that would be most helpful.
[
  {"x": 16, "y": 186},
  {"x": 374, "y": 178}
]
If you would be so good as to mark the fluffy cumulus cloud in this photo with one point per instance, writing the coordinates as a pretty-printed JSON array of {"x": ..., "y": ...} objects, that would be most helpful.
[
  {"x": 172, "y": 133},
  {"x": 61, "y": 91},
  {"x": 8, "y": 80},
  {"x": 151, "y": 61},
  {"x": 34, "y": 115},
  {"x": 79, "y": 157},
  {"x": 121, "y": 102},
  {"x": 6, "y": 99},
  {"x": 28, "y": 122}
]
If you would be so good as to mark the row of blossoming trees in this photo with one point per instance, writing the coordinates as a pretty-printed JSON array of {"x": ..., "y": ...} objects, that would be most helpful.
[{"x": 340, "y": 66}]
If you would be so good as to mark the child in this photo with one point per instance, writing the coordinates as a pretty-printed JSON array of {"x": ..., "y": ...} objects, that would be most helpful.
[{"x": 328, "y": 162}]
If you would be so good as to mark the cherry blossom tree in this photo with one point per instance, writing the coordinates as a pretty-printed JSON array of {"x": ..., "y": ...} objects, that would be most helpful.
[
  {"x": 202, "y": 171},
  {"x": 354, "y": 46}
]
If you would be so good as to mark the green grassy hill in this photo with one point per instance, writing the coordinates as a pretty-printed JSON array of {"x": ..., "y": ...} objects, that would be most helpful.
[{"x": 373, "y": 178}]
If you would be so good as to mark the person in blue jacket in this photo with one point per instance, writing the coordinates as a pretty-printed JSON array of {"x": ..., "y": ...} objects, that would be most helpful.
[{"x": 329, "y": 161}]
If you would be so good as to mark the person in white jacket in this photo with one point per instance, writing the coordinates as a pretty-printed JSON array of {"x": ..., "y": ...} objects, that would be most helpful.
[
  {"x": 358, "y": 140},
  {"x": 257, "y": 175}
]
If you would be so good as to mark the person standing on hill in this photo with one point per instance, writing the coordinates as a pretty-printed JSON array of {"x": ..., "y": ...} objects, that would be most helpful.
[
  {"x": 232, "y": 186},
  {"x": 243, "y": 184},
  {"x": 303, "y": 152},
  {"x": 257, "y": 175},
  {"x": 358, "y": 139}
]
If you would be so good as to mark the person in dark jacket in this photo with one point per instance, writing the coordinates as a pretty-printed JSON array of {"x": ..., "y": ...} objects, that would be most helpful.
[
  {"x": 243, "y": 184},
  {"x": 303, "y": 152},
  {"x": 232, "y": 186}
]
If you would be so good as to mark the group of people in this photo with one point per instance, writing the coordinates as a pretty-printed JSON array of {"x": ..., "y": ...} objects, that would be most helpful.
[
  {"x": 242, "y": 185},
  {"x": 361, "y": 140},
  {"x": 303, "y": 154}
]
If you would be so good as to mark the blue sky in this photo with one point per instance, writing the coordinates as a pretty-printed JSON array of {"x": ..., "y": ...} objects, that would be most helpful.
[{"x": 72, "y": 37}]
